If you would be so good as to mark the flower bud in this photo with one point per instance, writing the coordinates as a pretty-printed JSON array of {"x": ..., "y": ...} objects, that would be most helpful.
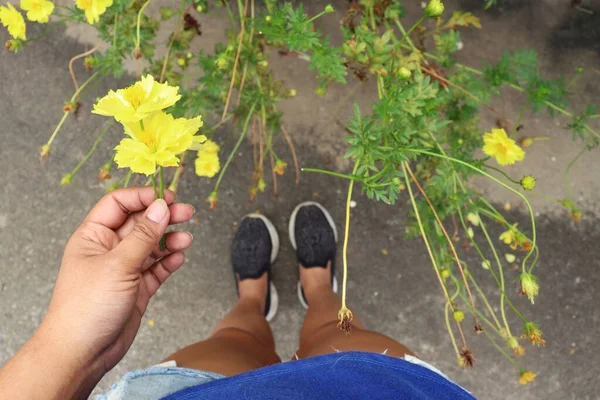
[
  {"x": 576, "y": 215},
  {"x": 579, "y": 70},
  {"x": 268, "y": 18},
  {"x": 473, "y": 219},
  {"x": 182, "y": 62},
  {"x": 329, "y": 9},
  {"x": 263, "y": 64},
  {"x": 292, "y": 93},
  {"x": 529, "y": 286},
  {"x": 68, "y": 106},
  {"x": 212, "y": 200},
  {"x": 66, "y": 179},
  {"x": 512, "y": 342},
  {"x": 280, "y": 167},
  {"x": 44, "y": 152},
  {"x": 404, "y": 74},
  {"x": 510, "y": 258},
  {"x": 458, "y": 315},
  {"x": 137, "y": 53},
  {"x": 13, "y": 45},
  {"x": 528, "y": 182},
  {"x": 261, "y": 184},
  {"x": 200, "y": 8},
  {"x": 445, "y": 273},
  {"x": 434, "y": 9},
  {"x": 89, "y": 63},
  {"x": 526, "y": 141},
  {"x": 104, "y": 171}
]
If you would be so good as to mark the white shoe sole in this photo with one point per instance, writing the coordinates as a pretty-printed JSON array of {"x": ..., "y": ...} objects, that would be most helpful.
[
  {"x": 291, "y": 232},
  {"x": 274, "y": 251}
]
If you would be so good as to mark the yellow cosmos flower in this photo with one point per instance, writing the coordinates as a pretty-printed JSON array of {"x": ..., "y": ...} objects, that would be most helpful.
[
  {"x": 526, "y": 376},
  {"x": 498, "y": 145},
  {"x": 38, "y": 10},
  {"x": 210, "y": 147},
  {"x": 158, "y": 143},
  {"x": 13, "y": 21},
  {"x": 93, "y": 8},
  {"x": 137, "y": 101},
  {"x": 207, "y": 164}
]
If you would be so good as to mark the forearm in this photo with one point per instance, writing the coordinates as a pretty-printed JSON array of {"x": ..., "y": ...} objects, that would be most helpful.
[{"x": 47, "y": 368}]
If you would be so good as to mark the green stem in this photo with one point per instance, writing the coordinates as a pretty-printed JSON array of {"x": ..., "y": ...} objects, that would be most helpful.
[
  {"x": 466, "y": 164},
  {"x": 337, "y": 174},
  {"x": 424, "y": 235},
  {"x": 178, "y": 172},
  {"x": 153, "y": 179},
  {"x": 139, "y": 20},
  {"x": 127, "y": 178},
  {"x": 92, "y": 149},
  {"x": 500, "y": 273},
  {"x": 449, "y": 328},
  {"x": 346, "y": 236},
  {"x": 406, "y": 34},
  {"x": 501, "y": 350},
  {"x": 142, "y": 124},
  {"x": 231, "y": 17},
  {"x": 503, "y": 174},
  {"x": 235, "y": 148},
  {"x": 316, "y": 16},
  {"x": 115, "y": 31},
  {"x": 161, "y": 195},
  {"x": 566, "y": 174},
  {"x": 66, "y": 113}
]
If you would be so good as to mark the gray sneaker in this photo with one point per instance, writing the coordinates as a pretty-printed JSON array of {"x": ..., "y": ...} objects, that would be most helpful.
[
  {"x": 253, "y": 252},
  {"x": 314, "y": 237}
]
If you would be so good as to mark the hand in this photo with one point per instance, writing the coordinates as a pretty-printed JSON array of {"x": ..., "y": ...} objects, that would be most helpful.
[{"x": 111, "y": 267}]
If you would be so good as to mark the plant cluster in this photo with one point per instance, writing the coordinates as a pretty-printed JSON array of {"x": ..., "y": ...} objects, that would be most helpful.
[{"x": 421, "y": 140}]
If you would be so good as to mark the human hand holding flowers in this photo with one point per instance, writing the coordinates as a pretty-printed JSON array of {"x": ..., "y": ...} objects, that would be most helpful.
[{"x": 111, "y": 267}]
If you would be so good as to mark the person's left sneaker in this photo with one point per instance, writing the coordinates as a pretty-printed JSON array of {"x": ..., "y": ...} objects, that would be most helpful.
[{"x": 253, "y": 252}]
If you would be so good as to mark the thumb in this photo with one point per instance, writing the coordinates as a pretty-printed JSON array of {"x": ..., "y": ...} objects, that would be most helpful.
[{"x": 143, "y": 239}]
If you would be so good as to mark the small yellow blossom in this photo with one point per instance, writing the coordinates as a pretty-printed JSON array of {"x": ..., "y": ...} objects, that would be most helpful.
[
  {"x": 210, "y": 147},
  {"x": 508, "y": 236},
  {"x": 504, "y": 149},
  {"x": 473, "y": 219},
  {"x": 38, "y": 10},
  {"x": 526, "y": 376},
  {"x": 93, "y": 8},
  {"x": 207, "y": 164},
  {"x": 13, "y": 21},
  {"x": 458, "y": 315},
  {"x": 137, "y": 101},
  {"x": 510, "y": 258},
  {"x": 158, "y": 143}
]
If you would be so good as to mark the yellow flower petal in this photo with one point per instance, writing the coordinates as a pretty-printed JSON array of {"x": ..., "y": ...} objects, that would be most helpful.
[
  {"x": 93, "y": 8},
  {"x": 207, "y": 164},
  {"x": 38, "y": 10},
  {"x": 13, "y": 21},
  {"x": 504, "y": 149},
  {"x": 138, "y": 100},
  {"x": 158, "y": 143}
]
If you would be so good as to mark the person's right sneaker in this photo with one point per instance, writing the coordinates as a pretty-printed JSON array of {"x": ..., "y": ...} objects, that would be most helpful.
[{"x": 314, "y": 237}]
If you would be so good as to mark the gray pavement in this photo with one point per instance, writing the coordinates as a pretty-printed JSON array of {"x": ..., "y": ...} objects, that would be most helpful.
[{"x": 394, "y": 294}]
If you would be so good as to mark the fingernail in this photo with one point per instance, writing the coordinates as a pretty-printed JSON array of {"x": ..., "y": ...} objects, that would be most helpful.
[
  {"x": 191, "y": 236},
  {"x": 193, "y": 209},
  {"x": 157, "y": 211}
]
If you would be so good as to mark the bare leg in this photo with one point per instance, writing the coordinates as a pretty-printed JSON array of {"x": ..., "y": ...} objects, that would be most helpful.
[
  {"x": 320, "y": 333},
  {"x": 242, "y": 340}
]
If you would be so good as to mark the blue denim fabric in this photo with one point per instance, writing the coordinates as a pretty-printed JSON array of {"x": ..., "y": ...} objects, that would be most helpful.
[
  {"x": 348, "y": 375},
  {"x": 156, "y": 382}
]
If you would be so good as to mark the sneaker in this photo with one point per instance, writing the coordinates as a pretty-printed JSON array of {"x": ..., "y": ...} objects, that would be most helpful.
[
  {"x": 314, "y": 236},
  {"x": 253, "y": 252}
]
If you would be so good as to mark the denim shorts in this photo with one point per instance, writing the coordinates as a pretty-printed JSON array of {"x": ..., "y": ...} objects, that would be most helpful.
[{"x": 161, "y": 380}]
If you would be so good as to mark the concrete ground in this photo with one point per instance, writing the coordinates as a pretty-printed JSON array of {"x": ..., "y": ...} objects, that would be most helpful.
[{"x": 394, "y": 293}]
